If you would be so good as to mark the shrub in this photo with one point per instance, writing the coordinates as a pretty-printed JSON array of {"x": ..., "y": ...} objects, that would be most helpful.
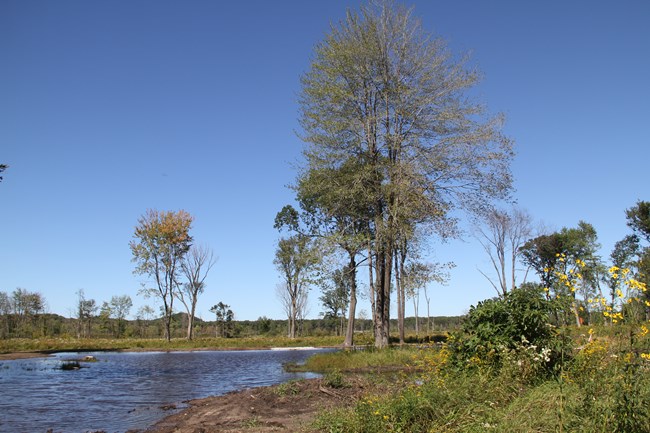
[
  {"x": 335, "y": 379},
  {"x": 514, "y": 329}
]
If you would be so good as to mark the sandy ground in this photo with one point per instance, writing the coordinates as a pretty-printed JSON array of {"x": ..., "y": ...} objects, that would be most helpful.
[{"x": 280, "y": 408}]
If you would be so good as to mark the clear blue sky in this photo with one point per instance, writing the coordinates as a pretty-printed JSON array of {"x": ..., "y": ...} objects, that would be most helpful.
[{"x": 110, "y": 108}]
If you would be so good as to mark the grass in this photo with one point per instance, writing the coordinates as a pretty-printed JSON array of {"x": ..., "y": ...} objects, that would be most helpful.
[
  {"x": 364, "y": 360},
  {"x": 604, "y": 386},
  {"x": 102, "y": 344}
]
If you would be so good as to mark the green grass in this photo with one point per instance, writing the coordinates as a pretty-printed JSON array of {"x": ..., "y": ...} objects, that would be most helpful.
[
  {"x": 361, "y": 360},
  {"x": 605, "y": 387}
]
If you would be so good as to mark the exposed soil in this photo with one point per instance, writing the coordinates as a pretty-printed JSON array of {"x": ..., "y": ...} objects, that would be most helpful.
[
  {"x": 289, "y": 407},
  {"x": 22, "y": 355}
]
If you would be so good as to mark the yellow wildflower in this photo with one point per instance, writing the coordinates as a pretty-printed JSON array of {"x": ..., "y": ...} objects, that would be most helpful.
[{"x": 644, "y": 330}]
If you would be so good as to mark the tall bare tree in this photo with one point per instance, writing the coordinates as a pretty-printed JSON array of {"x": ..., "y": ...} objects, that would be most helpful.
[
  {"x": 195, "y": 266},
  {"x": 382, "y": 93},
  {"x": 501, "y": 235}
]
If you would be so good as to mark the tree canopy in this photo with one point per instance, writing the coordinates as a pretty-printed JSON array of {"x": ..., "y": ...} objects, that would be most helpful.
[
  {"x": 393, "y": 140},
  {"x": 161, "y": 240}
]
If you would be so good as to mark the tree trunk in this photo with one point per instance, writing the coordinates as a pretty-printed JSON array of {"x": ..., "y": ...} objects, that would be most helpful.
[
  {"x": 190, "y": 321},
  {"x": 293, "y": 318},
  {"x": 349, "y": 335},
  {"x": 399, "y": 289},
  {"x": 373, "y": 291},
  {"x": 379, "y": 294},
  {"x": 415, "y": 310},
  {"x": 385, "y": 259}
]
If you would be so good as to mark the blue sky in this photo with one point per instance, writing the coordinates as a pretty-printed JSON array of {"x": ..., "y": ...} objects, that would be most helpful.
[{"x": 110, "y": 108}]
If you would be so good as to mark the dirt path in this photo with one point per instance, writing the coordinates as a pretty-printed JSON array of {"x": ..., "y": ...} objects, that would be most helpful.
[{"x": 289, "y": 407}]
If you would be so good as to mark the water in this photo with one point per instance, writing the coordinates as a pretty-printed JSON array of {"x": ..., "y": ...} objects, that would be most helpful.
[{"x": 125, "y": 391}]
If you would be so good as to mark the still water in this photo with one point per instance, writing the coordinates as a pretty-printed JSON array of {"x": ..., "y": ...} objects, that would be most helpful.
[{"x": 125, "y": 391}]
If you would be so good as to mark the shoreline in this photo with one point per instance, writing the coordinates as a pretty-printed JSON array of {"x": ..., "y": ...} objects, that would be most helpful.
[
  {"x": 290, "y": 406},
  {"x": 14, "y": 356}
]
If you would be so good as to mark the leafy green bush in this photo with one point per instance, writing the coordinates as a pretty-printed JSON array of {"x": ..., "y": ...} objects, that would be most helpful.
[
  {"x": 512, "y": 329},
  {"x": 335, "y": 379}
]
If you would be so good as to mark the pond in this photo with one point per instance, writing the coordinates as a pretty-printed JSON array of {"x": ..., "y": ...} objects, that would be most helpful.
[{"x": 123, "y": 391}]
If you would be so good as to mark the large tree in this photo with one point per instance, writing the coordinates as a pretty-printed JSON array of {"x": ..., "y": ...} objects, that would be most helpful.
[
  {"x": 384, "y": 95},
  {"x": 161, "y": 241},
  {"x": 337, "y": 218},
  {"x": 3, "y": 167}
]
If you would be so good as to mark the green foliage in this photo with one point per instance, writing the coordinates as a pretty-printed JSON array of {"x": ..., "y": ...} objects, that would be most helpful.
[
  {"x": 502, "y": 328},
  {"x": 335, "y": 379},
  {"x": 604, "y": 388},
  {"x": 393, "y": 141},
  {"x": 224, "y": 316},
  {"x": 638, "y": 218}
]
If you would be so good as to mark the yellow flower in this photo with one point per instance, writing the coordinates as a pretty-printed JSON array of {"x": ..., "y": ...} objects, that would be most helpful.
[{"x": 644, "y": 330}]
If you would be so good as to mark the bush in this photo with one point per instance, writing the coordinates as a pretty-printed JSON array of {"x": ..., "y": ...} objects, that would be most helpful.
[
  {"x": 335, "y": 379},
  {"x": 514, "y": 329}
]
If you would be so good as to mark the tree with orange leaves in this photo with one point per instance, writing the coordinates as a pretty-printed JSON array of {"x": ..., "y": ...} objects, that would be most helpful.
[{"x": 161, "y": 240}]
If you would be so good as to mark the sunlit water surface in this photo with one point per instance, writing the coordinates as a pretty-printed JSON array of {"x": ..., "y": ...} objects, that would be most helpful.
[{"x": 124, "y": 391}]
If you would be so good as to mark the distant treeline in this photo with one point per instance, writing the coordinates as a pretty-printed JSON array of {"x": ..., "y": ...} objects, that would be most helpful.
[{"x": 52, "y": 325}]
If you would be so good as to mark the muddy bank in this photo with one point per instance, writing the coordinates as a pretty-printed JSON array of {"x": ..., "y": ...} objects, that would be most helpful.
[
  {"x": 289, "y": 407},
  {"x": 22, "y": 355}
]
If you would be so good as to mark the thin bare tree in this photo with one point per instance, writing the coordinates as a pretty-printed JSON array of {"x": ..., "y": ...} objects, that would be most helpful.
[
  {"x": 501, "y": 235},
  {"x": 195, "y": 266}
]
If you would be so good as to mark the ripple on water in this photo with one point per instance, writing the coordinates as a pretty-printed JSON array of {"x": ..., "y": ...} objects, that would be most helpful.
[{"x": 125, "y": 391}]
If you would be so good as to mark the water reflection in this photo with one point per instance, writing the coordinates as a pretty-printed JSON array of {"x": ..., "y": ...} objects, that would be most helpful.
[{"x": 125, "y": 391}]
